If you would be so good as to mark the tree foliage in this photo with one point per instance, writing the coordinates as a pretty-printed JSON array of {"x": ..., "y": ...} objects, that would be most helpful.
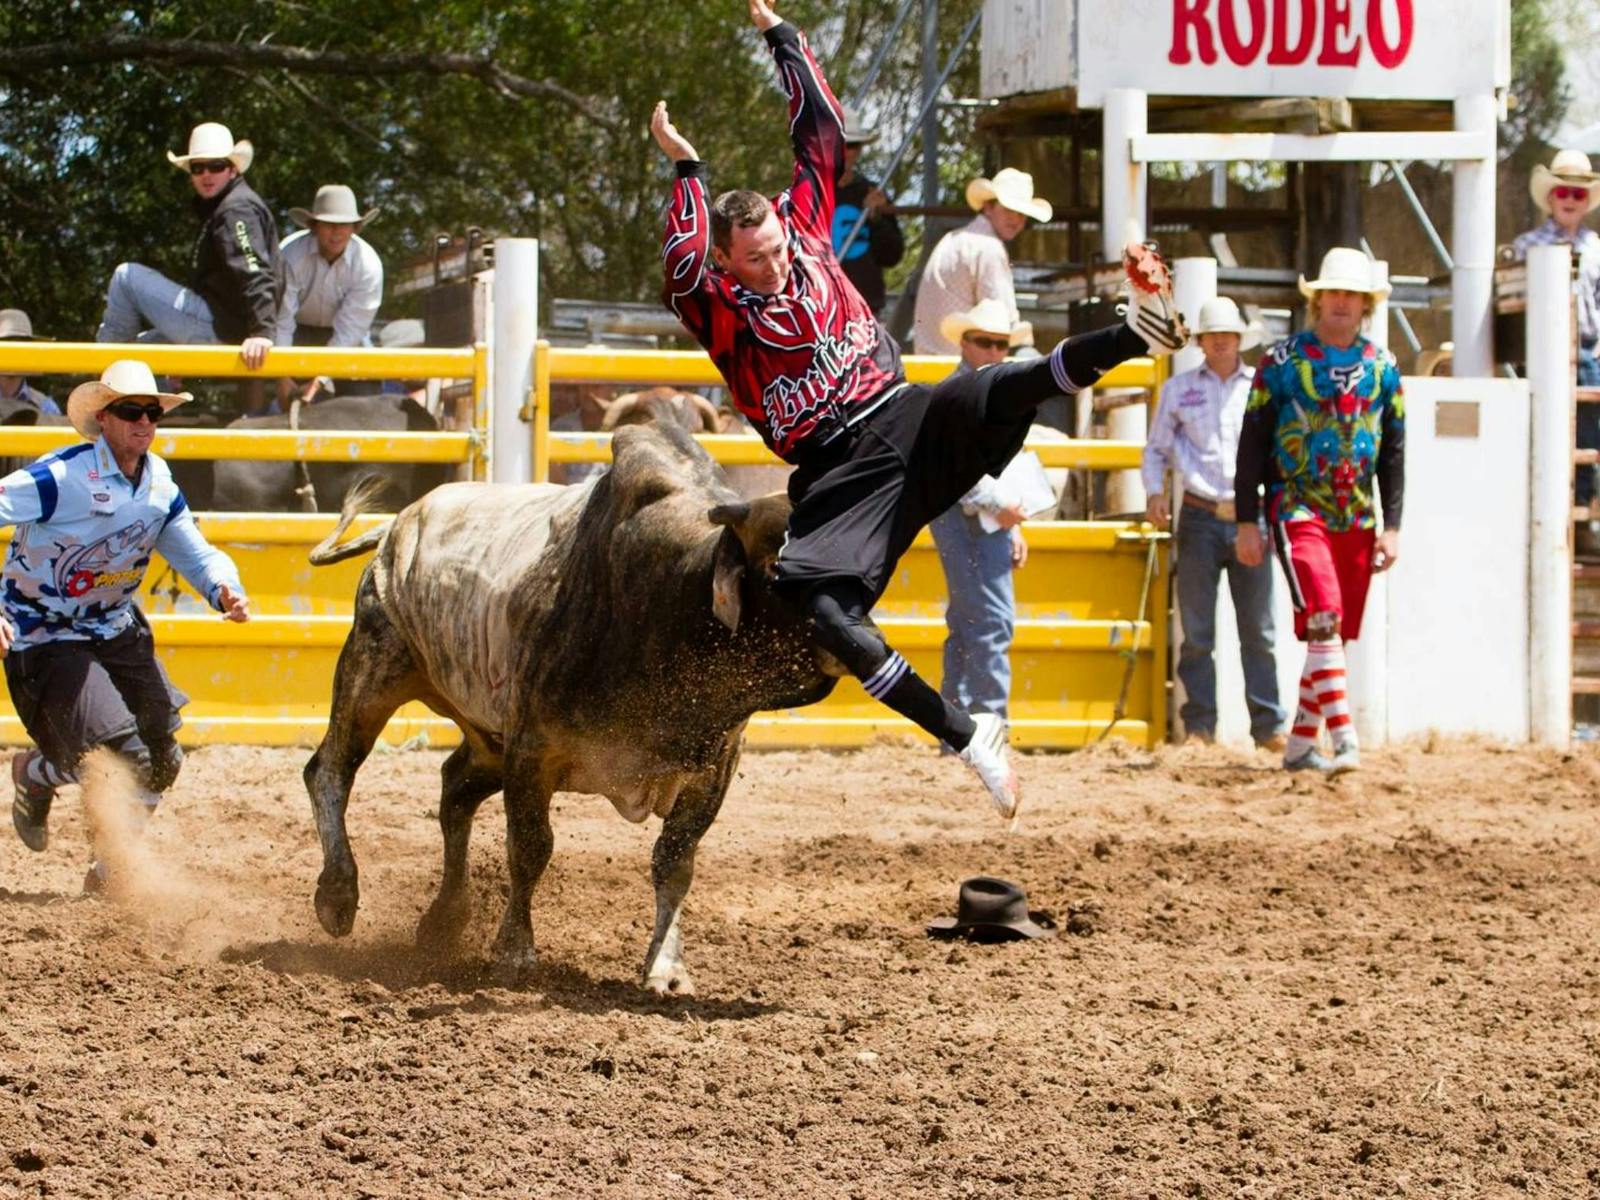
[{"x": 84, "y": 181}]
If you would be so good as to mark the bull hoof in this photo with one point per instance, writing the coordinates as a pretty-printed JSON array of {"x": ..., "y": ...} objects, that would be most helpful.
[
  {"x": 514, "y": 965},
  {"x": 673, "y": 981},
  {"x": 441, "y": 926},
  {"x": 336, "y": 901}
]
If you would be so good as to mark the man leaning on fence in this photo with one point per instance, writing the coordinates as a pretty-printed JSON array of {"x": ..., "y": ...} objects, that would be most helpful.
[
  {"x": 1195, "y": 434},
  {"x": 233, "y": 291}
]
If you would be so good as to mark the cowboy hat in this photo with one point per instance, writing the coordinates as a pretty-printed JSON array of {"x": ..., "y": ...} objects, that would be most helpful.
[
  {"x": 856, "y": 134},
  {"x": 992, "y": 910},
  {"x": 1344, "y": 269},
  {"x": 125, "y": 377},
  {"x": 335, "y": 204},
  {"x": 210, "y": 142},
  {"x": 1221, "y": 315},
  {"x": 15, "y": 327},
  {"x": 986, "y": 316},
  {"x": 403, "y": 334},
  {"x": 1570, "y": 167},
  {"x": 1013, "y": 189}
]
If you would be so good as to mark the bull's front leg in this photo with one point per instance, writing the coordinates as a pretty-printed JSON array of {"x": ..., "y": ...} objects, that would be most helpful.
[
  {"x": 672, "y": 871},
  {"x": 529, "y": 841}
]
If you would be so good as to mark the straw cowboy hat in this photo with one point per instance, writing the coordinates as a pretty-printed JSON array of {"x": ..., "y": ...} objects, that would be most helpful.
[
  {"x": 992, "y": 910},
  {"x": 15, "y": 327},
  {"x": 1344, "y": 269},
  {"x": 335, "y": 204},
  {"x": 1570, "y": 167},
  {"x": 1221, "y": 315},
  {"x": 986, "y": 316},
  {"x": 125, "y": 377},
  {"x": 1013, "y": 189},
  {"x": 856, "y": 134},
  {"x": 210, "y": 142}
]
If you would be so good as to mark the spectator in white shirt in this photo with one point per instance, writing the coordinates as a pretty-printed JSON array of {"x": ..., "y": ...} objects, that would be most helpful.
[
  {"x": 1195, "y": 433},
  {"x": 333, "y": 279},
  {"x": 970, "y": 264}
]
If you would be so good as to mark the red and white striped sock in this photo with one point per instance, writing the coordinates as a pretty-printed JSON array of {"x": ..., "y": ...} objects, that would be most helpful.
[
  {"x": 1325, "y": 665},
  {"x": 1307, "y": 719}
]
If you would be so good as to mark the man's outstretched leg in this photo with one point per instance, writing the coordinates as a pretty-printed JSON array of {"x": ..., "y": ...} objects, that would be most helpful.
[{"x": 839, "y": 611}]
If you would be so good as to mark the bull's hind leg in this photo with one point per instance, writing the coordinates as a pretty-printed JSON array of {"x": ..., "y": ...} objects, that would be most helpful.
[
  {"x": 529, "y": 841},
  {"x": 470, "y": 778},
  {"x": 672, "y": 871},
  {"x": 375, "y": 676}
]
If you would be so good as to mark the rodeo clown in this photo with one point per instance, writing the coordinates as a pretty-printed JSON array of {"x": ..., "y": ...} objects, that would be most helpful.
[
  {"x": 79, "y": 659},
  {"x": 1325, "y": 420}
]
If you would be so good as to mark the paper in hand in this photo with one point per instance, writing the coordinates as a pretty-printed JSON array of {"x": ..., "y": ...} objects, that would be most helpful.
[{"x": 1024, "y": 481}]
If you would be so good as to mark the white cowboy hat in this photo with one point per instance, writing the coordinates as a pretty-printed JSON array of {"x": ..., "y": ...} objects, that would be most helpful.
[
  {"x": 125, "y": 377},
  {"x": 210, "y": 142},
  {"x": 335, "y": 204},
  {"x": 1013, "y": 189},
  {"x": 1344, "y": 269},
  {"x": 1570, "y": 167},
  {"x": 403, "y": 334},
  {"x": 15, "y": 327},
  {"x": 856, "y": 134},
  {"x": 1221, "y": 315},
  {"x": 986, "y": 316}
]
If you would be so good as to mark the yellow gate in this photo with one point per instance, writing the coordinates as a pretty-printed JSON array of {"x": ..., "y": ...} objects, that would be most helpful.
[{"x": 1092, "y": 612}]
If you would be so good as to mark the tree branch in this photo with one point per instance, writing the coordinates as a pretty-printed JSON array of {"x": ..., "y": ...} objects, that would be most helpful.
[{"x": 20, "y": 62}]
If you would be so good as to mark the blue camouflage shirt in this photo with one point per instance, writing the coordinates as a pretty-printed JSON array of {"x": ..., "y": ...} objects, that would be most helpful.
[{"x": 83, "y": 542}]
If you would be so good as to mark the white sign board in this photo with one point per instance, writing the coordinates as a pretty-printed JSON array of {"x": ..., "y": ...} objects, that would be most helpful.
[{"x": 1361, "y": 49}]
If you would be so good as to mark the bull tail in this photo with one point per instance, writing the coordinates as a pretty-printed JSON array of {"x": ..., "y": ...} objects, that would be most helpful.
[{"x": 366, "y": 496}]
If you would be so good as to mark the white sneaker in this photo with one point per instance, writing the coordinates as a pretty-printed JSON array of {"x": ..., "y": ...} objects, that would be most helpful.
[
  {"x": 1151, "y": 311},
  {"x": 1346, "y": 759},
  {"x": 986, "y": 754}
]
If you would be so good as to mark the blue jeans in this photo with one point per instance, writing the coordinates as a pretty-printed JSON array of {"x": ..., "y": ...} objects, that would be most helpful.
[
  {"x": 981, "y": 614},
  {"x": 1205, "y": 551},
  {"x": 139, "y": 296},
  {"x": 1583, "y": 489}
]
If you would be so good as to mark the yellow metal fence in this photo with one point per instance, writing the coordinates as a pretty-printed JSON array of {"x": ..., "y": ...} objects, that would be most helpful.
[{"x": 1092, "y": 616}]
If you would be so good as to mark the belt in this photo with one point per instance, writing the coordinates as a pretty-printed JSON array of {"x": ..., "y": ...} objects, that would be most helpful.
[{"x": 1223, "y": 510}]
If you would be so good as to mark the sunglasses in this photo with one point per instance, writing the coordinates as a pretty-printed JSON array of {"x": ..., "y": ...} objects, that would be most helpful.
[
  {"x": 987, "y": 343},
  {"x": 209, "y": 167},
  {"x": 127, "y": 410},
  {"x": 1570, "y": 193}
]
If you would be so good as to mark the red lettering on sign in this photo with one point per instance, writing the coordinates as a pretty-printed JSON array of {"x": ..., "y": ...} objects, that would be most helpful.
[
  {"x": 1282, "y": 53},
  {"x": 1186, "y": 15},
  {"x": 1390, "y": 54},
  {"x": 1335, "y": 22},
  {"x": 1241, "y": 52}
]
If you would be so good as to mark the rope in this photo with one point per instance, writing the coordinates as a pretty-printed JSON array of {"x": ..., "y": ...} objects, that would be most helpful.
[
  {"x": 305, "y": 492},
  {"x": 1131, "y": 654}
]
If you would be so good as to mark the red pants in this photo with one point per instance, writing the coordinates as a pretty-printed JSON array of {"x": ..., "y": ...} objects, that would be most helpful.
[{"x": 1327, "y": 572}]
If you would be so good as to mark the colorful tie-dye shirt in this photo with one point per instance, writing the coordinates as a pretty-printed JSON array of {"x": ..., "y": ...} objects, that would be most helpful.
[
  {"x": 1322, "y": 425},
  {"x": 83, "y": 541}
]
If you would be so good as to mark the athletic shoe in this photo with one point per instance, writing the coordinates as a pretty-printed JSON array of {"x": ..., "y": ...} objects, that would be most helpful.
[
  {"x": 1345, "y": 760},
  {"x": 30, "y": 803},
  {"x": 986, "y": 754},
  {"x": 1311, "y": 760},
  {"x": 95, "y": 879},
  {"x": 1151, "y": 311}
]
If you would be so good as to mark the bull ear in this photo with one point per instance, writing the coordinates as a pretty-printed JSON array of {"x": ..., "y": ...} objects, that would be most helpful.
[{"x": 727, "y": 578}]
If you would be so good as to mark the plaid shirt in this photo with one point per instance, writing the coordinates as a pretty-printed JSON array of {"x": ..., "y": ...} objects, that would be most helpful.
[{"x": 1586, "y": 248}]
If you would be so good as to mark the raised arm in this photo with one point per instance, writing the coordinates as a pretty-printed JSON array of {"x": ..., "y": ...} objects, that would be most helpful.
[
  {"x": 686, "y": 240},
  {"x": 208, "y": 570},
  {"x": 816, "y": 124}
]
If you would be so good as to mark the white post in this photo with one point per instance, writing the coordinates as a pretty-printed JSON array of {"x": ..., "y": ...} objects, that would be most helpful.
[
  {"x": 514, "y": 330},
  {"x": 1194, "y": 281},
  {"x": 1368, "y": 656},
  {"x": 1122, "y": 181},
  {"x": 1550, "y": 381},
  {"x": 1473, "y": 211}
]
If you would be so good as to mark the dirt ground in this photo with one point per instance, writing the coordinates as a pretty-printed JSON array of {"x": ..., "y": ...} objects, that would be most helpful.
[{"x": 1275, "y": 987}]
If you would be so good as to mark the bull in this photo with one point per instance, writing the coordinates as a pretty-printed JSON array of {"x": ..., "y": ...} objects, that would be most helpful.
[{"x": 613, "y": 637}]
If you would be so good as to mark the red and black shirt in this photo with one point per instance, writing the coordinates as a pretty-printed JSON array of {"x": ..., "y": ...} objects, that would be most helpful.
[{"x": 808, "y": 358}]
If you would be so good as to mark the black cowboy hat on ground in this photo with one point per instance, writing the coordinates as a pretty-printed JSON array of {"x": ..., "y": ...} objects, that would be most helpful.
[{"x": 992, "y": 910}]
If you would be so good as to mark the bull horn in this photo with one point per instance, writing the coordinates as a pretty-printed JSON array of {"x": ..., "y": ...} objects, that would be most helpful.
[
  {"x": 617, "y": 408},
  {"x": 707, "y": 411},
  {"x": 730, "y": 516}
]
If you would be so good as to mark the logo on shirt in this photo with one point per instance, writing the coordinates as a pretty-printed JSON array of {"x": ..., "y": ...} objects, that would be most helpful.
[{"x": 82, "y": 569}]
